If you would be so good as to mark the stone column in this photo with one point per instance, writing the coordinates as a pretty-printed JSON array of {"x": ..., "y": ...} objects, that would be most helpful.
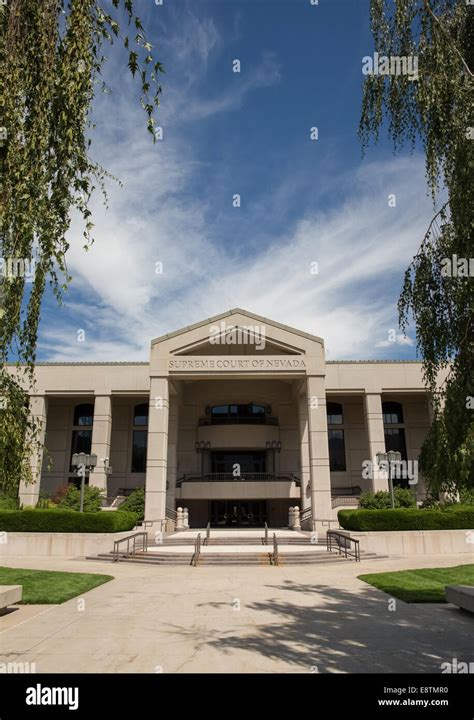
[
  {"x": 101, "y": 436},
  {"x": 157, "y": 453},
  {"x": 375, "y": 431},
  {"x": 319, "y": 451},
  {"x": 172, "y": 453},
  {"x": 29, "y": 493},
  {"x": 305, "y": 471}
]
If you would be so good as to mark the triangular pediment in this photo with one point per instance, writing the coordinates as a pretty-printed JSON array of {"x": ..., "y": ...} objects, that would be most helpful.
[{"x": 236, "y": 332}]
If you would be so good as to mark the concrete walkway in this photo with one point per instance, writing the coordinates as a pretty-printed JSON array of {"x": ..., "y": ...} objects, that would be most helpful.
[{"x": 221, "y": 619}]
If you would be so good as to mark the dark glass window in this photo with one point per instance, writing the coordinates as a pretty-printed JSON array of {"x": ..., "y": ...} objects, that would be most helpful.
[
  {"x": 220, "y": 410},
  {"x": 334, "y": 413},
  {"x": 392, "y": 413},
  {"x": 139, "y": 451},
  {"x": 140, "y": 414},
  {"x": 337, "y": 451},
  {"x": 84, "y": 414},
  {"x": 395, "y": 440},
  {"x": 234, "y": 410},
  {"x": 81, "y": 443},
  {"x": 223, "y": 461}
]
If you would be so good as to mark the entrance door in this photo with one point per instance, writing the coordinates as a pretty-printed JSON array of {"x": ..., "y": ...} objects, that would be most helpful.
[{"x": 238, "y": 513}]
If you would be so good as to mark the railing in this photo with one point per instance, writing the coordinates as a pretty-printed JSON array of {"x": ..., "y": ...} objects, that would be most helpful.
[
  {"x": 197, "y": 550},
  {"x": 343, "y": 544},
  {"x": 265, "y": 539},
  {"x": 171, "y": 514},
  {"x": 127, "y": 539},
  {"x": 265, "y": 420},
  {"x": 120, "y": 492},
  {"x": 355, "y": 490},
  {"x": 151, "y": 523},
  {"x": 274, "y": 556},
  {"x": 208, "y": 534},
  {"x": 344, "y": 500},
  {"x": 244, "y": 477}
]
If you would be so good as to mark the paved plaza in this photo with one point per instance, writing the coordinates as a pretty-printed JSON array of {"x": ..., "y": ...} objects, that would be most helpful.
[{"x": 236, "y": 619}]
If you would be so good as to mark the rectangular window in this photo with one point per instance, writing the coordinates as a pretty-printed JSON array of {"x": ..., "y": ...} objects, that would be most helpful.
[
  {"x": 139, "y": 451},
  {"x": 395, "y": 440},
  {"x": 81, "y": 443},
  {"x": 337, "y": 451}
]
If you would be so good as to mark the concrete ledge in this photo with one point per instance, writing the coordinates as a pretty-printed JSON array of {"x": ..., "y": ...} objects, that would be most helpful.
[
  {"x": 10, "y": 595},
  {"x": 461, "y": 595},
  {"x": 417, "y": 542},
  {"x": 31, "y": 544}
]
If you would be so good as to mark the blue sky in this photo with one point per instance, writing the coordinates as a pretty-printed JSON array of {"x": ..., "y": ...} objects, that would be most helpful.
[{"x": 247, "y": 133}]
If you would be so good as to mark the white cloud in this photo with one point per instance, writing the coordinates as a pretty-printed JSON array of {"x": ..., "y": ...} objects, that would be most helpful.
[{"x": 361, "y": 244}]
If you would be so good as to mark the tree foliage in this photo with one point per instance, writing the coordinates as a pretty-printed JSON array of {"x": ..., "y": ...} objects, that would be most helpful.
[
  {"x": 436, "y": 110},
  {"x": 50, "y": 68}
]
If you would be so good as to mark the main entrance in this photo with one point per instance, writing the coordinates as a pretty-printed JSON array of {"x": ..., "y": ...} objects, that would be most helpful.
[{"x": 238, "y": 513}]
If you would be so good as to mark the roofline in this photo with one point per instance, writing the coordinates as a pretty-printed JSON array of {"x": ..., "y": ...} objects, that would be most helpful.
[
  {"x": 140, "y": 363},
  {"x": 236, "y": 311}
]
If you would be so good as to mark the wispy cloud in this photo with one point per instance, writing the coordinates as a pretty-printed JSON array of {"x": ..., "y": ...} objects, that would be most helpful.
[{"x": 161, "y": 219}]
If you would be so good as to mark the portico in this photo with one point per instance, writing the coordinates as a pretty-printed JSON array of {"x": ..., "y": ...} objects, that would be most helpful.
[{"x": 236, "y": 418}]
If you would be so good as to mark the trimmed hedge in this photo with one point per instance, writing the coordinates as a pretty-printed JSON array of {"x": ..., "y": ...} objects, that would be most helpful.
[
  {"x": 66, "y": 521},
  {"x": 457, "y": 517}
]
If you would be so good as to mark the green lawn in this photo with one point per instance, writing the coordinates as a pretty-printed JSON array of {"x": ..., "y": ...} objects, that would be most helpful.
[
  {"x": 43, "y": 587},
  {"x": 425, "y": 585}
]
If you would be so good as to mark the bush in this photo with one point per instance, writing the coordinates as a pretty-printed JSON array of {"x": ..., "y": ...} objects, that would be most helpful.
[
  {"x": 63, "y": 520},
  {"x": 381, "y": 499},
  {"x": 135, "y": 503},
  {"x": 9, "y": 501},
  {"x": 466, "y": 496},
  {"x": 72, "y": 498},
  {"x": 454, "y": 517}
]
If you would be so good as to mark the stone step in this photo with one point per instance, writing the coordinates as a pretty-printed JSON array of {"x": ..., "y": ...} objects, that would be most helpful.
[
  {"x": 241, "y": 541},
  {"x": 243, "y": 559}
]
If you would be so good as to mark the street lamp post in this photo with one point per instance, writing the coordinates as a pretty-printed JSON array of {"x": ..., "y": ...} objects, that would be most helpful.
[
  {"x": 274, "y": 447},
  {"x": 201, "y": 448},
  {"x": 391, "y": 458},
  {"x": 84, "y": 463}
]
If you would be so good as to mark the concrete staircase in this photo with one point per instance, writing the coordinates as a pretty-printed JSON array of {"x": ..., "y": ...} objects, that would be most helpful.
[{"x": 236, "y": 548}]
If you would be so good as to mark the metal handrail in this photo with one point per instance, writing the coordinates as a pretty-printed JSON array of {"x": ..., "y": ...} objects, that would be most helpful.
[
  {"x": 342, "y": 540},
  {"x": 151, "y": 523},
  {"x": 265, "y": 539},
  {"x": 127, "y": 539},
  {"x": 171, "y": 514},
  {"x": 197, "y": 550},
  {"x": 208, "y": 534},
  {"x": 274, "y": 558}
]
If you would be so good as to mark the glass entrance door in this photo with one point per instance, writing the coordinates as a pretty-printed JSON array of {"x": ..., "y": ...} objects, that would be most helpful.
[{"x": 238, "y": 513}]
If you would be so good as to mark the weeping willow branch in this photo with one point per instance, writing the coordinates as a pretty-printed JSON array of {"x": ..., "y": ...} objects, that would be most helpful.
[
  {"x": 436, "y": 110},
  {"x": 51, "y": 56}
]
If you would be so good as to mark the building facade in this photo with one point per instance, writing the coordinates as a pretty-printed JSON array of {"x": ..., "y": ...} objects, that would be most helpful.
[{"x": 236, "y": 418}]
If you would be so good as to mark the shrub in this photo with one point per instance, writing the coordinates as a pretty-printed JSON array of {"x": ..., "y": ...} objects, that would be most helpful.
[
  {"x": 135, "y": 503},
  {"x": 458, "y": 517},
  {"x": 64, "y": 520},
  {"x": 72, "y": 498},
  {"x": 9, "y": 501},
  {"x": 466, "y": 496},
  {"x": 381, "y": 499}
]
